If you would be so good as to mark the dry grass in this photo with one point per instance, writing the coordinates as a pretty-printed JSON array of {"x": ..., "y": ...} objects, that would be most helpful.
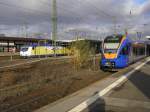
[
  {"x": 59, "y": 78},
  {"x": 7, "y": 79}
]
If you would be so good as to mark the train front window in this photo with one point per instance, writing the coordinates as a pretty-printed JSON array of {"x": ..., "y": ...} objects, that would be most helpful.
[
  {"x": 113, "y": 39},
  {"x": 24, "y": 49},
  {"x": 111, "y": 47},
  {"x": 111, "y": 43}
]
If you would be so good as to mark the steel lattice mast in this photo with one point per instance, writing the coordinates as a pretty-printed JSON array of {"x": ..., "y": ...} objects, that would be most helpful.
[{"x": 54, "y": 23}]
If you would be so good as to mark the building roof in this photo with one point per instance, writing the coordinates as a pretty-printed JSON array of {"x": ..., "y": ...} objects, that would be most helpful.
[{"x": 20, "y": 39}]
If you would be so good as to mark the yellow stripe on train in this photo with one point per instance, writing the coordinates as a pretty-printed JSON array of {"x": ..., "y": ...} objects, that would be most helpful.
[{"x": 110, "y": 55}]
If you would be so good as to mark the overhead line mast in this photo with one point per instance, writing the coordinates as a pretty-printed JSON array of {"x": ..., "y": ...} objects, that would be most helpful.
[{"x": 54, "y": 24}]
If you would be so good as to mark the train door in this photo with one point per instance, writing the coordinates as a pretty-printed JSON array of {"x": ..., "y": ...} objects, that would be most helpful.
[
  {"x": 130, "y": 54},
  {"x": 124, "y": 55},
  {"x": 148, "y": 49}
]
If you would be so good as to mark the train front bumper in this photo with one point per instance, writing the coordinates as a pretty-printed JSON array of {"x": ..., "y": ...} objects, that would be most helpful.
[
  {"x": 108, "y": 64},
  {"x": 113, "y": 63}
]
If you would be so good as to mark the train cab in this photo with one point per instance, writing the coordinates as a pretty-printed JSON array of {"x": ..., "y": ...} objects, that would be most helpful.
[{"x": 116, "y": 49}]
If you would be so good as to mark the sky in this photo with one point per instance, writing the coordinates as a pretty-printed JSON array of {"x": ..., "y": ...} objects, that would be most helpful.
[{"x": 92, "y": 19}]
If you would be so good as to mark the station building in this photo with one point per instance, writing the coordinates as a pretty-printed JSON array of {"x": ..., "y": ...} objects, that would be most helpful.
[{"x": 8, "y": 44}]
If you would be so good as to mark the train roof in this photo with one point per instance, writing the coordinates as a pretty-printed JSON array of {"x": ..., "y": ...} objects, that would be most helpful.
[
  {"x": 142, "y": 42},
  {"x": 138, "y": 41}
]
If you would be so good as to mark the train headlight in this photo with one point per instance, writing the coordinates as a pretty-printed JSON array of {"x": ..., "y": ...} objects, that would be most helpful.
[{"x": 107, "y": 64}]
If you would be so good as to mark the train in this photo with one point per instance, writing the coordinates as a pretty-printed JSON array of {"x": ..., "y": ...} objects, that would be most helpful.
[
  {"x": 42, "y": 50},
  {"x": 119, "y": 51}
]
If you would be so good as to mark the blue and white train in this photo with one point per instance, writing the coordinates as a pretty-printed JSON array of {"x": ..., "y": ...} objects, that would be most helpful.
[{"x": 118, "y": 51}]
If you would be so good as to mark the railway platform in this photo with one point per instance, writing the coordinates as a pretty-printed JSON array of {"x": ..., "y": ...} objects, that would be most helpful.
[{"x": 120, "y": 92}]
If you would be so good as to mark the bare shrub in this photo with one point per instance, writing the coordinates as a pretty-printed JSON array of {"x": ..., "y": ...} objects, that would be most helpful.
[{"x": 81, "y": 51}]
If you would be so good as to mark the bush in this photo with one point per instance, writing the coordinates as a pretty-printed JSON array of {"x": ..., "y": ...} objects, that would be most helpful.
[{"x": 81, "y": 51}]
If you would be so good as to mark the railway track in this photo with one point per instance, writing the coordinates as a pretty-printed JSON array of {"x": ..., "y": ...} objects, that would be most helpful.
[
  {"x": 34, "y": 60},
  {"x": 29, "y": 61}
]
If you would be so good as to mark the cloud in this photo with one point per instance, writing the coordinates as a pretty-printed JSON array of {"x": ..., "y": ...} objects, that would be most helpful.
[{"x": 92, "y": 15}]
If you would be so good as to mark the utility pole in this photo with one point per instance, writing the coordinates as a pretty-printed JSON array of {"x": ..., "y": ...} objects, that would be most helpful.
[
  {"x": 115, "y": 25},
  {"x": 128, "y": 24},
  {"x": 54, "y": 24},
  {"x": 26, "y": 29}
]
